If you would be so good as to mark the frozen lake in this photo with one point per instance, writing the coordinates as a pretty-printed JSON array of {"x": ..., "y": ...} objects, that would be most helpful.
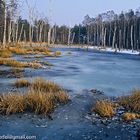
[
  {"x": 115, "y": 74},
  {"x": 77, "y": 69}
]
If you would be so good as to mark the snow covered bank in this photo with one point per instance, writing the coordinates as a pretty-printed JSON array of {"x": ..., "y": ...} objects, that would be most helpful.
[{"x": 108, "y": 49}]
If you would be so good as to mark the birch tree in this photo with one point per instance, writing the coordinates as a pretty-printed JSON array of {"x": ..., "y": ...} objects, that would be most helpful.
[{"x": 5, "y": 23}]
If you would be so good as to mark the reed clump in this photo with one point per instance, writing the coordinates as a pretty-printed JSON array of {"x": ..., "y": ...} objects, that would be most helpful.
[
  {"x": 40, "y": 100},
  {"x": 131, "y": 102},
  {"x": 104, "y": 108},
  {"x": 4, "y": 53},
  {"x": 18, "y": 64},
  {"x": 22, "y": 83}
]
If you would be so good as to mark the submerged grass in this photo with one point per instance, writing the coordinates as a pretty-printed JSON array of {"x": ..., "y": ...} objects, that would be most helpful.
[
  {"x": 40, "y": 100},
  {"x": 12, "y": 73},
  {"x": 57, "y": 54},
  {"x": 17, "y": 72}
]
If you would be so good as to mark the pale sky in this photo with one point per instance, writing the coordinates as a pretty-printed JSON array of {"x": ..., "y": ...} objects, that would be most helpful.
[{"x": 72, "y": 12}]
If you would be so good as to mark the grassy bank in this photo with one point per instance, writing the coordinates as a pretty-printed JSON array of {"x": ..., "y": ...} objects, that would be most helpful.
[
  {"x": 17, "y": 49},
  {"x": 18, "y": 64}
]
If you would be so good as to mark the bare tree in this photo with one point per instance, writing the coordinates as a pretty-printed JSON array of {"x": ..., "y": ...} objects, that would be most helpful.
[{"x": 5, "y": 24}]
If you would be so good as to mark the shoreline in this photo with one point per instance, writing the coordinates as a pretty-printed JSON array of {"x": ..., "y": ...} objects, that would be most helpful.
[
  {"x": 72, "y": 121},
  {"x": 101, "y": 49}
]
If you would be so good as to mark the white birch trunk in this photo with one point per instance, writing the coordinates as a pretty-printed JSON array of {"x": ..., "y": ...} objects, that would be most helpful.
[
  {"x": 114, "y": 36},
  {"x": 69, "y": 35},
  {"x": 5, "y": 25},
  {"x": 132, "y": 45},
  {"x": 10, "y": 31},
  {"x": 21, "y": 31}
]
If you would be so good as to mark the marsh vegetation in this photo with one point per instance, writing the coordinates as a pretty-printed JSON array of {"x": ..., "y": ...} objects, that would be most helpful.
[{"x": 42, "y": 97}]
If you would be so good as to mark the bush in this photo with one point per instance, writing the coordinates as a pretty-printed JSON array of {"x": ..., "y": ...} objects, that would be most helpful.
[
  {"x": 131, "y": 102},
  {"x": 104, "y": 108}
]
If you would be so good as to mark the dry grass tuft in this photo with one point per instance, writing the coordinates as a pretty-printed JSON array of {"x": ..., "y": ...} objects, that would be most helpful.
[
  {"x": 40, "y": 100},
  {"x": 18, "y": 50},
  {"x": 104, "y": 108},
  {"x": 62, "y": 97},
  {"x": 4, "y": 53},
  {"x": 39, "y": 103},
  {"x": 48, "y": 54},
  {"x": 132, "y": 102},
  {"x": 42, "y": 85},
  {"x": 12, "y": 103},
  {"x": 14, "y": 63},
  {"x": 11, "y": 62},
  {"x": 44, "y": 103},
  {"x": 22, "y": 83},
  {"x": 130, "y": 116},
  {"x": 57, "y": 54},
  {"x": 41, "y": 49}
]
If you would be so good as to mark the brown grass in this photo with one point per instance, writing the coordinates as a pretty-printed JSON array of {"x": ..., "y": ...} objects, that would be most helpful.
[
  {"x": 131, "y": 102},
  {"x": 4, "y": 53},
  {"x": 15, "y": 63},
  {"x": 12, "y": 103},
  {"x": 48, "y": 54},
  {"x": 130, "y": 116},
  {"x": 39, "y": 100},
  {"x": 42, "y": 85},
  {"x": 41, "y": 49},
  {"x": 22, "y": 50},
  {"x": 18, "y": 50},
  {"x": 44, "y": 103},
  {"x": 57, "y": 54},
  {"x": 22, "y": 83},
  {"x": 11, "y": 62},
  {"x": 104, "y": 108}
]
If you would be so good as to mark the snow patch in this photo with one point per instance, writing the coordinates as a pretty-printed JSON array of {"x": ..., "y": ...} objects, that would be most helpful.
[{"x": 108, "y": 49}]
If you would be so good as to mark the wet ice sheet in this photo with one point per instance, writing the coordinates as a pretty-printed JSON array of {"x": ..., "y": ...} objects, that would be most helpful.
[{"x": 115, "y": 74}]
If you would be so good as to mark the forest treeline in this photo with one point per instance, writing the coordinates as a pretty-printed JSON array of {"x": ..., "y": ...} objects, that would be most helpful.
[{"x": 120, "y": 31}]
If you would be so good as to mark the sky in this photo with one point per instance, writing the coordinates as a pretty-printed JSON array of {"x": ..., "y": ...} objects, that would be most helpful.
[{"x": 70, "y": 12}]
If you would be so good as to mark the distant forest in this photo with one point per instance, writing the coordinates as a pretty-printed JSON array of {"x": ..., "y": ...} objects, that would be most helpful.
[{"x": 120, "y": 31}]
